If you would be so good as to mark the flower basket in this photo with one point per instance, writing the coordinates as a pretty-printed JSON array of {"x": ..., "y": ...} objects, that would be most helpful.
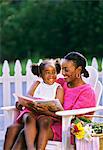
[
  {"x": 88, "y": 134},
  {"x": 99, "y": 134},
  {"x": 100, "y": 140}
]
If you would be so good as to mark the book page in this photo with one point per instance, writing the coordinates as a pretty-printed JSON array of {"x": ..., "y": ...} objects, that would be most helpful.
[{"x": 34, "y": 104}]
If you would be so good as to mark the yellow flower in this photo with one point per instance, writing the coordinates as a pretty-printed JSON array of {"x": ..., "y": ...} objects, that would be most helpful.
[
  {"x": 79, "y": 126},
  {"x": 80, "y": 134}
]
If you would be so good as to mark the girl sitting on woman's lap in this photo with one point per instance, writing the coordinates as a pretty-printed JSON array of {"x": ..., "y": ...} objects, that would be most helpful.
[{"x": 36, "y": 126}]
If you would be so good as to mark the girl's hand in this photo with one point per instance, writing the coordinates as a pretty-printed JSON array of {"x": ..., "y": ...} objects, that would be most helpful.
[{"x": 18, "y": 106}]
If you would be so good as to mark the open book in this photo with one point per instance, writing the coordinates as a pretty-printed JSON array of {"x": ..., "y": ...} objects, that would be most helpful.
[{"x": 39, "y": 105}]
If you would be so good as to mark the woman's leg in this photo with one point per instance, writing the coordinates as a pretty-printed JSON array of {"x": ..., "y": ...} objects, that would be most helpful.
[
  {"x": 20, "y": 143},
  {"x": 28, "y": 135},
  {"x": 30, "y": 132},
  {"x": 45, "y": 133},
  {"x": 11, "y": 135}
]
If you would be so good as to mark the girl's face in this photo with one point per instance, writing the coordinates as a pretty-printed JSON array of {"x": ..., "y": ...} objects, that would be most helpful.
[
  {"x": 69, "y": 71},
  {"x": 49, "y": 74}
]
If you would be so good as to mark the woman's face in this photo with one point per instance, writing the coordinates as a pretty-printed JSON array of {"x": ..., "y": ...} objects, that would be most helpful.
[
  {"x": 49, "y": 74},
  {"x": 69, "y": 70}
]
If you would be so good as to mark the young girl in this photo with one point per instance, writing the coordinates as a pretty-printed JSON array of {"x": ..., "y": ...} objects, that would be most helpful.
[{"x": 34, "y": 125}]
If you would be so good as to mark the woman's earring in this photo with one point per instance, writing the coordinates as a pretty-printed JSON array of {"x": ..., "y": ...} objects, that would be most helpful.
[{"x": 78, "y": 75}]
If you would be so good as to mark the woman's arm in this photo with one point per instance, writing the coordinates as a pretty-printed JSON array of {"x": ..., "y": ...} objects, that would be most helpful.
[{"x": 60, "y": 94}]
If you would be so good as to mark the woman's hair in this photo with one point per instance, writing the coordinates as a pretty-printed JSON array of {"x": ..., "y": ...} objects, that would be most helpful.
[
  {"x": 37, "y": 69},
  {"x": 79, "y": 60}
]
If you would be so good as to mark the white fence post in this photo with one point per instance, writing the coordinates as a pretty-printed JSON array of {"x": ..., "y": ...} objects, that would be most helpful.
[
  {"x": 29, "y": 75},
  {"x": 18, "y": 77},
  {"x": 94, "y": 63},
  {"x": 6, "y": 84},
  {"x": 6, "y": 90}
]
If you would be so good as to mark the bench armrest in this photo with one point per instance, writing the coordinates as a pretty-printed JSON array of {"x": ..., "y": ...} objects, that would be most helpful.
[
  {"x": 78, "y": 111},
  {"x": 8, "y": 108},
  {"x": 10, "y": 114}
]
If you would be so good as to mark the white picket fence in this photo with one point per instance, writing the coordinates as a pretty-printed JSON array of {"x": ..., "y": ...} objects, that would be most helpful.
[{"x": 19, "y": 84}]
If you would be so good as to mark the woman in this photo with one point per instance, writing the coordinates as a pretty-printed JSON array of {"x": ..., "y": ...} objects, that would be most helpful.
[{"x": 77, "y": 94}]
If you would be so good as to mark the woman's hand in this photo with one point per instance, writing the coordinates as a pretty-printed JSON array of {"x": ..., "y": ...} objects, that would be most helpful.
[
  {"x": 41, "y": 107},
  {"x": 48, "y": 113}
]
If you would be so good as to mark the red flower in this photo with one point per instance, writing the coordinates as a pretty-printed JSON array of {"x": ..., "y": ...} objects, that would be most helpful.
[{"x": 76, "y": 128}]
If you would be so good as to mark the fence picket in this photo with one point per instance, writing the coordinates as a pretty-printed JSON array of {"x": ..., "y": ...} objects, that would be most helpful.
[
  {"x": 94, "y": 63},
  {"x": 6, "y": 90},
  {"x": 6, "y": 84},
  {"x": 18, "y": 77},
  {"x": 29, "y": 75}
]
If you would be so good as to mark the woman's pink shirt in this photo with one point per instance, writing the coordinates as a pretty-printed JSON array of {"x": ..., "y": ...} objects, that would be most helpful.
[{"x": 78, "y": 97}]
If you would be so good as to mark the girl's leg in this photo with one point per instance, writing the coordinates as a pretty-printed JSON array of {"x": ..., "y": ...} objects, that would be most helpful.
[
  {"x": 11, "y": 135},
  {"x": 30, "y": 130},
  {"x": 45, "y": 133}
]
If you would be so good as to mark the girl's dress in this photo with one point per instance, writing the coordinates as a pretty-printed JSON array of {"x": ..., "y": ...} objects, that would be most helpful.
[
  {"x": 42, "y": 91},
  {"x": 74, "y": 98}
]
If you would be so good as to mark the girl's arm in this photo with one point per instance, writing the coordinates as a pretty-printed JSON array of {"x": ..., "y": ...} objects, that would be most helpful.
[
  {"x": 60, "y": 94},
  {"x": 33, "y": 88}
]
